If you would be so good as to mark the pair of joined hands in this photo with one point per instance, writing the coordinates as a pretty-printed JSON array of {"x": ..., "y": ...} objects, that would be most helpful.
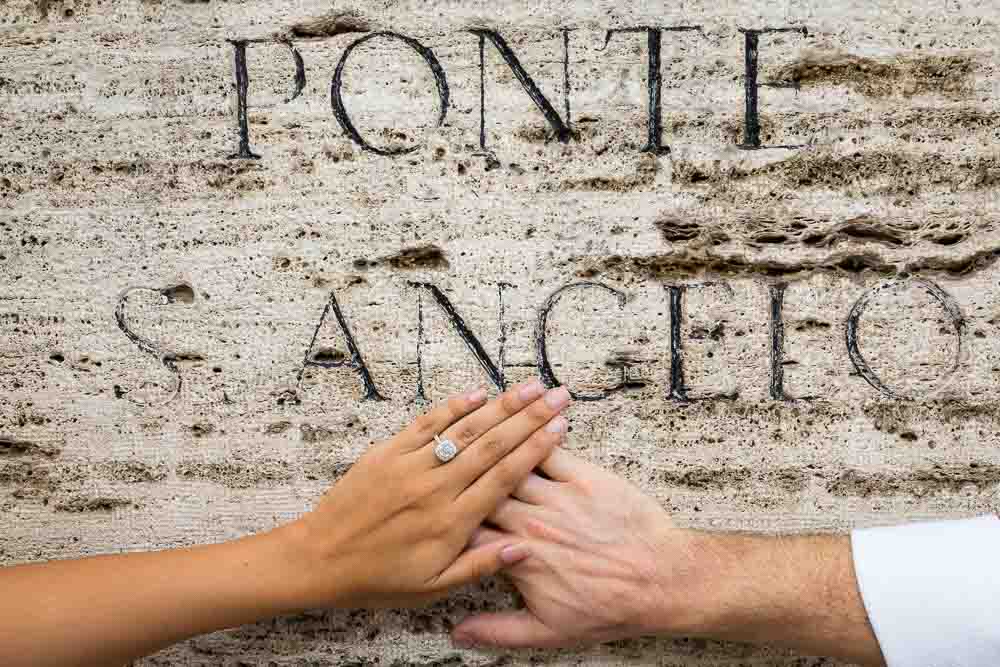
[
  {"x": 592, "y": 556},
  {"x": 594, "y": 559},
  {"x": 401, "y": 529}
]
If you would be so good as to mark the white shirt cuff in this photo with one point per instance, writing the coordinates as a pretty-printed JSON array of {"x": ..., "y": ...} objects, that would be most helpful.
[{"x": 932, "y": 591}]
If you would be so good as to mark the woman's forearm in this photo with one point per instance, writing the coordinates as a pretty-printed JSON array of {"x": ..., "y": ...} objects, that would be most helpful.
[
  {"x": 108, "y": 610},
  {"x": 395, "y": 531}
]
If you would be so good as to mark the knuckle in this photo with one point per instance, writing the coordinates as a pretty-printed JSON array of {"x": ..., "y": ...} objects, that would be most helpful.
[
  {"x": 425, "y": 425},
  {"x": 546, "y": 444},
  {"x": 435, "y": 484},
  {"x": 513, "y": 518},
  {"x": 491, "y": 443},
  {"x": 538, "y": 447},
  {"x": 561, "y": 504},
  {"x": 456, "y": 407},
  {"x": 584, "y": 487},
  {"x": 466, "y": 433},
  {"x": 410, "y": 495},
  {"x": 457, "y": 527},
  {"x": 510, "y": 403},
  {"x": 508, "y": 473},
  {"x": 377, "y": 457},
  {"x": 440, "y": 531},
  {"x": 540, "y": 411},
  {"x": 538, "y": 529},
  {"x": 416, "y": 493},
  {"x": 504, "y": 514}
]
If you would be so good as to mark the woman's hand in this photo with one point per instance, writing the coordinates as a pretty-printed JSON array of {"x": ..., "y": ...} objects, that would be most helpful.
[{"x": 394, "y": 531}]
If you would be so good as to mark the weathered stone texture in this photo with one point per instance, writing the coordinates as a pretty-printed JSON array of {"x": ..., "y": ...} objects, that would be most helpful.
[{"x": 120, "y": 205}]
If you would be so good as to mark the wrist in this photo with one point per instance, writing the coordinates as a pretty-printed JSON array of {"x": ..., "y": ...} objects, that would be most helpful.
[
  {"x": 694, "y": 594},
  {"x": 302, "y": 581},
  {"x": 725, "y": 590}
]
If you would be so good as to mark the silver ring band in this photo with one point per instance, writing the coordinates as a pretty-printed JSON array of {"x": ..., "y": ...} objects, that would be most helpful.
[{"x": 445, "y": 450}]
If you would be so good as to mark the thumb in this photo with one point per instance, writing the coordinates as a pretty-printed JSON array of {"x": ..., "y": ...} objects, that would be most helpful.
[
  {"x": 511, "y": 629},
  {"x": 481, "y": 561}
]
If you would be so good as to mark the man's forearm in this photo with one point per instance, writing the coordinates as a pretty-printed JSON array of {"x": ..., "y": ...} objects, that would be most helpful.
[
  {"x": 607, "y": 562},
  {"x": 798, "y": 592}
]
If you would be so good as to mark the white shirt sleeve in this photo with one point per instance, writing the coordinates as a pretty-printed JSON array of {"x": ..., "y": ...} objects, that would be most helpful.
[{"x": 932, "y": 591}]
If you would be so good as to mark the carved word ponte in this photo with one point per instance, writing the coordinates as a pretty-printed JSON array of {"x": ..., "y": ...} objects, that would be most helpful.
[
  {"x": 560, "y": 124},
  {"x": 354, "y": 360}
]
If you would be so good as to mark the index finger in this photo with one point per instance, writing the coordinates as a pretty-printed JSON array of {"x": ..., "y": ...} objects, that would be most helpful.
[
  {"x": 423, "y": 429},
  {"x": 468, "y": 429}
]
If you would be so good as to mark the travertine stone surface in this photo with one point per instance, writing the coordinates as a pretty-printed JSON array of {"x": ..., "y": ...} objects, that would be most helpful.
[{"x": 158, "y": 298}]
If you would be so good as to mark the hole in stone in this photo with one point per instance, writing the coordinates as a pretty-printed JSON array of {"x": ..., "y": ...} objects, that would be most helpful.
[
  {"x": 182, "y": 293},
  {"x": 328, "y": 355}
]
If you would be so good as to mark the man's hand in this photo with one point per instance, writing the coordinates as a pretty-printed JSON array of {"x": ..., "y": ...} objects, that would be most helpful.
[
  {"x": 596, "y": 545},
  {"x": 606, "y": 562}
]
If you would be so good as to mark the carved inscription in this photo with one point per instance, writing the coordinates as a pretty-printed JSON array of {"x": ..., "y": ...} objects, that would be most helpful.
[
  {"x": 559, "y": 124},
  {"x": 548, "y": 312}
]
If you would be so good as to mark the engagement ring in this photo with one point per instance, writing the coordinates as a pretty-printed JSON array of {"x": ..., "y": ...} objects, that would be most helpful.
[{"x": 445, "y": 450}]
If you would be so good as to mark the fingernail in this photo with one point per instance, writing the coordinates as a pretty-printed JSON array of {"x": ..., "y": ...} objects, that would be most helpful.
[
  {"x": 531, "y": 391},
  {"x": 475, "y": 395},
  {"x": 557, "y": 398},
  {"x": 514, "y": 553},
  {"x": 557, "y": 425}
]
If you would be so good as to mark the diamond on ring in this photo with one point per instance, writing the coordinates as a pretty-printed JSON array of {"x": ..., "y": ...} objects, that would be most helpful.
[{"x": 445, "y": 450}]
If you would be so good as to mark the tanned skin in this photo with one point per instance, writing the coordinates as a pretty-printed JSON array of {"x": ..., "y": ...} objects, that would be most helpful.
[{"x": 393, "y": 532}]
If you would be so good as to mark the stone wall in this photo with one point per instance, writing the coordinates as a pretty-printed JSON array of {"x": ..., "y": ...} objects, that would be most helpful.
[{"x": 788, "y": 317}]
